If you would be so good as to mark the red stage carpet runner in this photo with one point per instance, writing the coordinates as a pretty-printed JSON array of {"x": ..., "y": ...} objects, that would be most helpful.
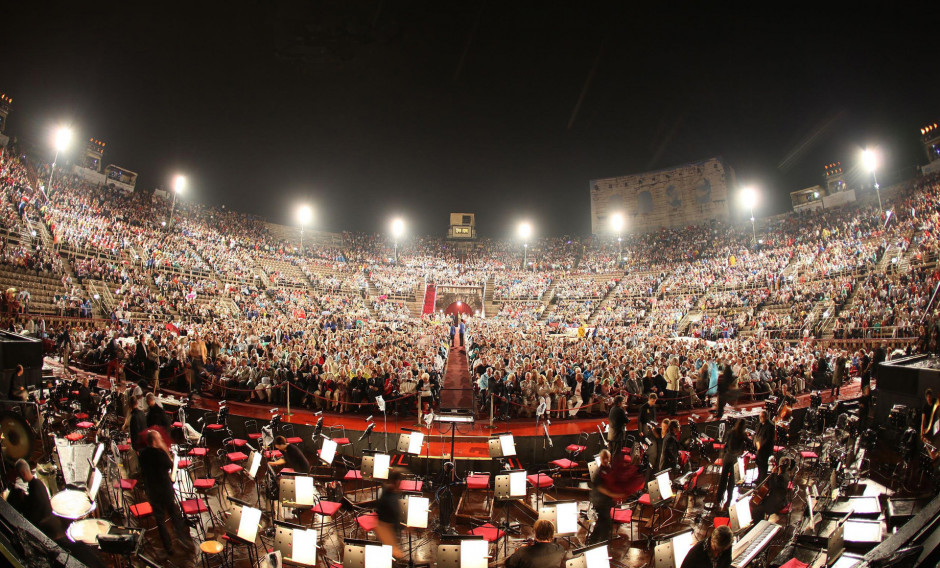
[
  {"x": 430, "y": 298},
  {"x": 457, "y": 390}
]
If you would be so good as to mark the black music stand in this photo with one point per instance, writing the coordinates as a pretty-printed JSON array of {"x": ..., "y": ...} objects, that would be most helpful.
[
  {"x": 463, "y": 551},
  {"x": 241, "y": 527},
  {"x": 296, "y": 544},
  {"x": 508, "y": 487}
]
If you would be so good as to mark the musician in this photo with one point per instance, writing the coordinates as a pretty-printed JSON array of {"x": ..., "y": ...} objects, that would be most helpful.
[
  {"x": 777, "y": 488},
  {"x": 602, "y": 498},
  {"x": 928, "y": 413},
  {"x": 291, "y": 456},
  {"x": 155, "y": 466},
  {"x": 764, "y": 439},
  {"x": 618, "y": 424},
  {"x": 156, "y": 416},
  {"x": 786, "y": 404},
  {"x": 648, "y": 413},
  {"x": 33, "y": 504},
  {"x": 713, "y": 552},
  {"x": 669, "y": 455},
  {"x": 85, "y": 397},
  {"x": 543, "y": 553},
  {"x": 388, "y": 510},
  {"x": 136, "y": 422},
  {"x": 734, "y": 442}
]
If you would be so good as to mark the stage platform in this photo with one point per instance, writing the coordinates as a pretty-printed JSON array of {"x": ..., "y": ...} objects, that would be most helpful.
[{"x": 468, "y": 441}]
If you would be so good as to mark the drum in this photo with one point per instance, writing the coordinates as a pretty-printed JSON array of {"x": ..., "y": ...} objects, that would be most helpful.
[
  {"x": 47, "y": 472},
  {"x": 87, "y": 530},
  {"x": 72, "y": 504}
]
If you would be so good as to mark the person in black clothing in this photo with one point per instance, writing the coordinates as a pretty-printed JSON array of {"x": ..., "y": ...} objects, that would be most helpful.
[
  {"x": 156, "y": 416},
  {"x": 725, "y": 380},
  {"x": 712, "y": 552},
  {"x": 543, "y": 553},
  {"x": 879, "y": 356},
  {"x": 602, "y": 498},
  {"x": 648, "y": 414},
  {"x": 669, "y": 455},
  {"x": 866, "y": 365},
  {"x": 734, "y": 447},
  {"x": 618, "y": 424},
  {"x": 388, "y": 510},
  {"x": 776, "y": 499},
  {"x": 85, "y": 397},
  {"x": 155, "y": 466},
  {"x": 137, "y": 423},
  {"x": 764, "y": 439},
  {"x": 291, "y": 456},
  {"x": 34, "y": 505}
]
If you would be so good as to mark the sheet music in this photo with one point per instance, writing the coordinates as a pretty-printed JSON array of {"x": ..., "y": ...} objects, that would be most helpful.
[
  {"x": 75, "y": 462},
  {"x": 304, "y": 547},
  {"x": 473, "y": 554},
  {"x": 303, "y": 490},
  {"x": 248, "y": 527}
]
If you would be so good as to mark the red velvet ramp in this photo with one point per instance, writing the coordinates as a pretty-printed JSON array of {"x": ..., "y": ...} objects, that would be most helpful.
[{"x": 457, "y": 390}]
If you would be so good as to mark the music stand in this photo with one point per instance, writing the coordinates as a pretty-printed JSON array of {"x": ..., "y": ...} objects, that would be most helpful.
[
  {"x": 469, "y": 551},
  {"x": 242, "y": 525},
  {"x": 741, "y": 514},
  {"x": 416, "y": 517},
  {"x": 94, "y": 485},
  {"x": 670, "y": 553},
  {"x": 594, "y": 556},
  {"x": 296, "y": 544},
  {"x": 410, "y": 442},
  {"x": 741, "y": 473},
  {"x": 375, "y": 465},
  {"x": 502, "y": 445},
  {"x": 660, "y": 491},
  {"x": 563, "y": 515},
  {"x": 328, "y": 451},
  {"x": 296, "y": 490},
  {"x": 836, "y": 542},
  {"x": 362, "y": 553},
  {"x": 98, "y": 453},
  {"x": 509, "y": 486}
]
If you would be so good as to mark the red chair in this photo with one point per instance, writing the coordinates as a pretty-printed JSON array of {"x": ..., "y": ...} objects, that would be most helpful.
[
  {"x": 342, "y": 441},
  {"x": 621, "y": 517},
  {"x": 541, "y": 482},
  {"x": 490, "y": 534},
  {"x": 329, "y": 510},
  {"x": 480, "y": 482},
  {"x": 251, "y": 429},
  {"x": 367, "y": 522}
]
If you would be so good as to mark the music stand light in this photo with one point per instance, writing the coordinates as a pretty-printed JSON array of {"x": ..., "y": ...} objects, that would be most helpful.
[
  {"x": 296, "y": 544},
  {"x": 410, "y": 442},
  {"x": 594, "y": 556},
  {"x": 328, "y": 451},
  {"x": 563, "y": 515}
]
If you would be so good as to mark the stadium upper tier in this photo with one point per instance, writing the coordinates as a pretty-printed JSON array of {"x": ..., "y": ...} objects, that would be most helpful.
[{"x": 89, "y": 251}]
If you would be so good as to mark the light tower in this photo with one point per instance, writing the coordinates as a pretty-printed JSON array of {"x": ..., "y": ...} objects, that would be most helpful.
[
  {"x": 616, "y": 223},
  {"x": 398, "y": 229},
  {"x": 870, "y": 161},
  {"x": 179, "y": 185},
  {"x": 62, "y": 138},
  {"x": 748, "y": 200},
  {"x": 525, "y": 231},
  {"x": 304, "y": 214}
]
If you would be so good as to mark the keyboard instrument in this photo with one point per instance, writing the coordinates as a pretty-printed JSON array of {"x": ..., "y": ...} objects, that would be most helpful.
[{"x": 753, "y": 543}]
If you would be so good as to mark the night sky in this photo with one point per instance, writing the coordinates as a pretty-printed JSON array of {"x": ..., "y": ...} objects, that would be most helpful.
[{"x": 368, "y": 109}]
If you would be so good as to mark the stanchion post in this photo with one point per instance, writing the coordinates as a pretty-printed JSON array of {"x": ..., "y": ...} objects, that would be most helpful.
[{"x": 289, "y": 413}]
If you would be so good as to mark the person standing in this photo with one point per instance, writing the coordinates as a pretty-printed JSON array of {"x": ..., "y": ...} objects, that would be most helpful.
[
  {"x": 602, "y": 499},
  {"x": 764, "y": 439},
  {"x": 463, "y": 332},
  {"x": 734, "y": 447},
  {"x": 136, "y": 423},
  {"x": 155, "y": 466},
  {"x": 672, "y": 386},
  {"x": 388, "y": 511},
  {"x": 724, "y": 390},
  {"x": 156, "y": 416},
  {"x": 617, "y": 430},
  {"x": 669, "y": 455},
  {"x": 648, "y": 415},
  {"x": 197, "y": 358},
  {"x": 838, "y": 375}
]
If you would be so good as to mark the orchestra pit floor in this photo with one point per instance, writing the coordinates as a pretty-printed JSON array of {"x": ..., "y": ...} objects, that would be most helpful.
[{"x": 629, "y": 549}]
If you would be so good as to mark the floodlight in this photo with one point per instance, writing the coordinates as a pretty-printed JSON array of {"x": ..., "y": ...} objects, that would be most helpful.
[
  {"x": 870, "y": 160},
  {"x": 62, "y": 138},
  {"x": 304, "y": 214},
  {"x": 616, "y": 222},
  {"x": 525, "y": 230},
  {"x": 398, "y": 228},
  {"x": 179, "y": 184},
  {"x": 748, "y": 197}
]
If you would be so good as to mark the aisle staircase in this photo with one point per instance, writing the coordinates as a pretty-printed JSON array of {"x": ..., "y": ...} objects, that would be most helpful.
[{"x": 430, "y": 299}]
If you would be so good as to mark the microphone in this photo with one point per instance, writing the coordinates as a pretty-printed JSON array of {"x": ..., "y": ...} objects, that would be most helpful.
[{"x": 367, "y": 432}]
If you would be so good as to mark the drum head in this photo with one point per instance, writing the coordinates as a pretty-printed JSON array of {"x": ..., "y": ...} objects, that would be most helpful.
[{"x": 18, "y": 437}]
